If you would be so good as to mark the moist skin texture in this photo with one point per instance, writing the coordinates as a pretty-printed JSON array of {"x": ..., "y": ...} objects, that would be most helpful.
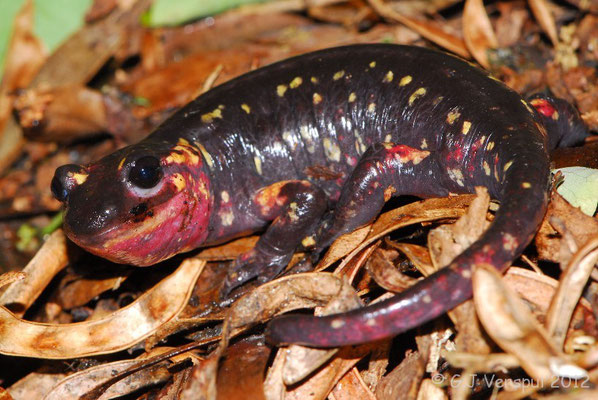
[{"x": 312, "y": 147}]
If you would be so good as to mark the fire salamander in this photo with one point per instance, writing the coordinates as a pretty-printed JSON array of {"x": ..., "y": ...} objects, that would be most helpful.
[{"x": 311, "y": 148}]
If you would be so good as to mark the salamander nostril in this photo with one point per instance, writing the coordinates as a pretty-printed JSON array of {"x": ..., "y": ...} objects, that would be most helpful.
[{"x": 65, "y": 179}]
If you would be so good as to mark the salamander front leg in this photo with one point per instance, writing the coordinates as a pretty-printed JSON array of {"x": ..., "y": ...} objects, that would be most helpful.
[
  {"x": 384, "y": 170},
  {"x": 296, "y": 208}
]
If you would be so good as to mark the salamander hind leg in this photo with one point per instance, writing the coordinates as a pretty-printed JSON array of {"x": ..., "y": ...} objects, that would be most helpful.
[
  {"x": 384, "y": 170},
  {"x": 295, "y": 209}
]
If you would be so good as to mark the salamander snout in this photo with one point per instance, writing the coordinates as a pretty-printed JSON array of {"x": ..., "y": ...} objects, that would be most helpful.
[{"x": 66, "y": 178}]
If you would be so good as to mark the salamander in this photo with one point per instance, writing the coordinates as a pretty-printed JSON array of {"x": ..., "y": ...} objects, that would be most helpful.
[{"x": 312, "y": 147}]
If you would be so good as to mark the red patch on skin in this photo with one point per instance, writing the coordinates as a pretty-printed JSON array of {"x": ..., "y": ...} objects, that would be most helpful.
[
  {"x": 406, "y": 154},
  {"x": 543, "y": 107}
]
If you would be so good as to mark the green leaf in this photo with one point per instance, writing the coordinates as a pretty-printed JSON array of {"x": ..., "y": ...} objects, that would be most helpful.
[
  {"x": 580, "y": 188},
  {"x": 169, "y": 12}
]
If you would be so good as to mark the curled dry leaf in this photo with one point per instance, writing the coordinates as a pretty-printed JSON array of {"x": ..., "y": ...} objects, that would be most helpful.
[
  {"x": 230, "y": 250},
  {"x": 427, "y": 29},
  {"x": 301, "y": 361},
  {"x": 508, "y": 321},
  {"x": 572, "y": 221},
  {"x": 48, "y": 261},
  {"x": 381, "y": 267},
  {"x": 571, "y": 286},
  {"x": 420, "y": 211},
  {"x": 77, "y": 385},
  {"x": 541, "y": 10},
  {"x": 478, "y": 32},
  {"x": 118, "y": 331}
]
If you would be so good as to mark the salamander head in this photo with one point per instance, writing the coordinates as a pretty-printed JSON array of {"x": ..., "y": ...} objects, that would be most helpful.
[
  {"x": 137, "y": 206},
  {"x": 562, "y": 121}
]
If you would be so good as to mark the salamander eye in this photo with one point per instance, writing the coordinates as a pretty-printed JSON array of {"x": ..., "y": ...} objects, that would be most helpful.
[{"x": 146, "y": 172}]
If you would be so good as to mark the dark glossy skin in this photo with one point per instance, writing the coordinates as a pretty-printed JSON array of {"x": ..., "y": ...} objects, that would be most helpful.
[{"x": 327, "y": 136}]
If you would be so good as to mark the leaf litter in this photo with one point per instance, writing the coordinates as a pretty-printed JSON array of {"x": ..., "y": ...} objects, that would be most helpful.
[{"x": 132, "y": 77}]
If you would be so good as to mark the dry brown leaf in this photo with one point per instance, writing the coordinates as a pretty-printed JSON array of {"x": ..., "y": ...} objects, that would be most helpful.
[
  {"x": 351, "y": 386},
  {"x": 342, "y": 246},
  {"x": 403, "y": 381},
  {"x": 34, "y": 385},
  {"x": 445, "y": 243},
  {"x": 418, "y": 255},
  {"x": 202, "y": 382},
  {"x": 230, "y": 250},
  {"x": 119, "y": 331},
  {"x": 571, "y": 286},
  {"x": 420, "y": 211},
  {"x": 301, "y": 361},
  {"x": 567, "y": 219},
  {"x": 11, "y": 276},
  {"x": 541, "y": 10},
  {"x": 508, "y": 321},
  {"x": 478, "y": 32},
  {"x": 78, "y": 384},
  {"x": 380, "y": 266},
  {"x": 48, "y": 261},
  {"x": 241, "y": 371},
  {"x": 428, "y": 29}
]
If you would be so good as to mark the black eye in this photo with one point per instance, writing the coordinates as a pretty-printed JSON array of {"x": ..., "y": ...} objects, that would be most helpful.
[{"x": 146, "y": 173}]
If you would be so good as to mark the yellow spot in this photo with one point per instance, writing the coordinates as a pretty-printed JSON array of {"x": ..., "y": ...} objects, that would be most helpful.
[
  {"x": 183, "y": 141},
  {"x": 417, "y": 94},
  {"x": 555, "y": 115},
  {"x": 507, "y": 165},
  {"x": 466, "y": 273},
  {"x": 466, "y": 127},
  {"x": 338, "y": 75},
  {"x": 227, "y": 218},
  {"x": 317, "y": 98},
  {"x": 388, "y": 138},
  {"x": 314, "y": 79},
  {"x": 372, "y": 107},
  {"x": 427, "y": 299},
  {"x": 258, "y": 164},
  {"x": 281, "y": 89},
  {"x": 526, "y": 185},
  {"x": 121, "y": 163},
  {"x": 209, "y": 117},
  {"x": 206, "y": 155},
  {"x": 437, "y": 100},
  {"x": 452, "y": 116},
  {"x": 352, "y": 97},
  {"x": 487, "y": 168},
  {"x": 293, "y": 212},
  {"x": 337, "y": 323},
  {"x": 178, "y": 181},
  {"x": 225, "y": 196},
  {"x": 490, "y": 146},
  {"x": 373, "y": 64},
  {"x": 388, "y": 77},
  {"x": 456, "y": 175},
  {"x": 308, "y": 241},
  {"x": 406, "y": 80},
  {"x": 424, "y": 144},
  {"x": 331, "y": 150},
  {"x": 359, "y": 144},
  {"x": 296, "y": 82},
  {"x": 176, "y": 158},
  {"x": 246, "y": 108},
  {"x": 531, "y": 111},
  {"x": 307, "y": 139},
  {"x": 80, "y": 178},
  {"x": 388, "y": 192},
  {"x": 371, "y": 322}
]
